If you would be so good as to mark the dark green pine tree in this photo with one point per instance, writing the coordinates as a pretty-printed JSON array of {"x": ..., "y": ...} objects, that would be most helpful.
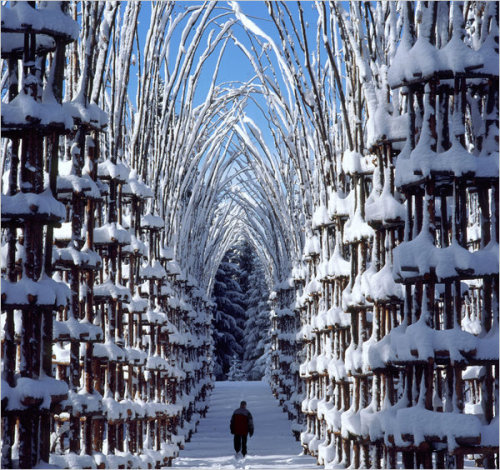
[
  {"x": 241, "y": 323},
  {"x": 256, "y": 334},
  {"x": 245, "y": 257},
  {"x": 256, "y": 339},
  {"x": 229, "y": 319},
  {"x": 235, "y": 371}
]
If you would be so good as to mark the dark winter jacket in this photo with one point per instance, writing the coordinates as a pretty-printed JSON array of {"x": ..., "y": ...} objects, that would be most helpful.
[{"x": 242, "y": 422}]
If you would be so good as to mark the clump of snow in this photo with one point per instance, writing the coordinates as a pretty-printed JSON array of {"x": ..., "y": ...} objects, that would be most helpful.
[
  {"x": 152, "y": 221},
  {"x": 173, "y": 268},
  {"x": 356, "y": 229},
  {"x": 109, "y": 289},
  {"x": 27, "y": 389},
  {"x": 43, "y": 293},
  {"x": 30, "y": 205},
  {"x": 340, "y": 205},
  {"x": 320, "y": 217},
  {"x": 109, "y": 170},
  {"x": 382, "y": 285},
  {"x": 419, "y": 342},
  {"x": 418, "y": 256},
  {"x": 152, "y": 271},
  {"x": 312, "y": 246},
  {"x": 47, "y": 19},
  {"x": 111, "y": 233},
  {"x": 384, "y": 207}
]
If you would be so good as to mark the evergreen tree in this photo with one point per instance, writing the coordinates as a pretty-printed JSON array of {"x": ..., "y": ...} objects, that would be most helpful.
[
  {"x": 241, "y": 324},
  {"x": 235, "y": 371},
  {"x": 245, "y": 257},
  {"x": 229, "y": 318},
  {"x": 257, "y": 325}
]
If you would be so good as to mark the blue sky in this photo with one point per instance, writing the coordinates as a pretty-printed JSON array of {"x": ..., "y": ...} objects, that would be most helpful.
[{"x": 235, "y": 66}]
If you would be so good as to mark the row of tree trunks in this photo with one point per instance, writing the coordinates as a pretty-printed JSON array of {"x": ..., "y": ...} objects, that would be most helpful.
[
  {"x": 104, "y": 356},
  {"x": 285, "y": 354},
  {"x": 396, "y": 326}
]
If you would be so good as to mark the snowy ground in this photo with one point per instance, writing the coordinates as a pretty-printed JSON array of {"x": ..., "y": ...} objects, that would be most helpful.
[{"x": 272, "y": 445}]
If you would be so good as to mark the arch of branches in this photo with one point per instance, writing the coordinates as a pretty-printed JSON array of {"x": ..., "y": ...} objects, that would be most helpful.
[{"x": 360, "y": 160}]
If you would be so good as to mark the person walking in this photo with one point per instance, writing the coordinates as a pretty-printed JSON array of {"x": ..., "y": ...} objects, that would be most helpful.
[{"x": 241, "y": 425}]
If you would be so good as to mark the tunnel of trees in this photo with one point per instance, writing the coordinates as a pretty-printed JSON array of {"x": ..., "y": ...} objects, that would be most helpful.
[{"x": 157, "y": 235}]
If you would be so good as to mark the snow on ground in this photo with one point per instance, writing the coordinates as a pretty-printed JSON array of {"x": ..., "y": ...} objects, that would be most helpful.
[{"x": 272, "y": 445}]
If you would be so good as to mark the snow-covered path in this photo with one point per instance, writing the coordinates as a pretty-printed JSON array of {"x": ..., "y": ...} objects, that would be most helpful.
[{"x": 272, "y": 445}]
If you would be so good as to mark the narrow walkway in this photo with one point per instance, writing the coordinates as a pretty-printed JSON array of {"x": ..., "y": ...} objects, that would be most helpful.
[{"x": 272, "y": 445}]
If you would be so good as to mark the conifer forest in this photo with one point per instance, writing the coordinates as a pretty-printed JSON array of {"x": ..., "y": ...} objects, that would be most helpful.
[{"x": 298, "y": 192}]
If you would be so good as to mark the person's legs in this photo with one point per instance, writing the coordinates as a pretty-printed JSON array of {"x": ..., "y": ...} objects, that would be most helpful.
[
  {"x": 244, "y": 445},
  {"x": 237, "y": 443}
]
